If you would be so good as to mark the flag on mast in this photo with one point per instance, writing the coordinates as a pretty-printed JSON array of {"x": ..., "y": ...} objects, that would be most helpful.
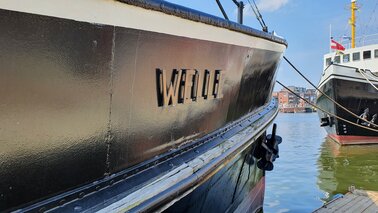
[{"x": 336, "y": 46}]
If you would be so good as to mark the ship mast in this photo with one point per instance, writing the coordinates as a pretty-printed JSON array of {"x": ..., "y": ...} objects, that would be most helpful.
[{"x": 352, "y": 22}]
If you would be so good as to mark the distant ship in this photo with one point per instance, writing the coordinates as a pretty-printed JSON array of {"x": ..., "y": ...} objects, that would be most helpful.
[
  {"x": 133, "y": 106},
  {"x": 350, "y": 77}
]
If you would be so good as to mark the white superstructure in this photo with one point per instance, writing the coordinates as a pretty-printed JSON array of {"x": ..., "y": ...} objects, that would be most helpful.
[{"x": 364, "y": 58}]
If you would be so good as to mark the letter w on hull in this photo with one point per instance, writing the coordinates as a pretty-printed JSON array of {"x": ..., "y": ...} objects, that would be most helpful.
[{"x": 169, "y": 94}]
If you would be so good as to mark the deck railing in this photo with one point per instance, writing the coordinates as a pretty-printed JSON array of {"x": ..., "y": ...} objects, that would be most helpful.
[{"x": 360, "y": 40}]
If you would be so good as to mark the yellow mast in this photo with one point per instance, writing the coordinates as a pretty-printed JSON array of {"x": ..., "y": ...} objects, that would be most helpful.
[{"x": 353, "y": 9}]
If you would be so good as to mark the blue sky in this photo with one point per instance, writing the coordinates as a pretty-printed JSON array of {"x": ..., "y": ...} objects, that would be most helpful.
[{"x": 305, "y": 25}]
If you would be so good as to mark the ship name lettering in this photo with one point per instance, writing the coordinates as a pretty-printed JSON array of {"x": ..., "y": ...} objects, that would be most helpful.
[{"x": 183, "y": 86}]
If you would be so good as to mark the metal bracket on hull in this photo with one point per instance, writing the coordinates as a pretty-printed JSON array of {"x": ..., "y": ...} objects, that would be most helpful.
[
  {"x": 240, "y": 6},
  {"x": 268, "y": 152},
  {"x": 327, "y": 121}
]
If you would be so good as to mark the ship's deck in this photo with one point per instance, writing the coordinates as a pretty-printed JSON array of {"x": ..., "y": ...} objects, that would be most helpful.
[{"x": 354, "y": 201}]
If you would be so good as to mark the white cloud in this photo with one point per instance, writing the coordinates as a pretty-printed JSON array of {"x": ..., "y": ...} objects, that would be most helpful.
[{"x": 271, "y": 5}]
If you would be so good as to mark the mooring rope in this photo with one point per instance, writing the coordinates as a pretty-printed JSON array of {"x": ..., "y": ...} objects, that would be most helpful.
[
  {"x": 375, "y": 76},
  {"x": 371, "y": 75},
  {"x": 367, "y": 79},
  {"x": 328, "y": 113},
  {"x": 331, "y": 99}
]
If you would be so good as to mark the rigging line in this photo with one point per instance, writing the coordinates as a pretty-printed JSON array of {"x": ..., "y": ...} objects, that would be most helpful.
[
  {"x": 257, "y": 16},
  {"x": 332, "y": 100},
  {"x": 367, "y": 79},
  {"x": 371, "y": 16},
  {"x": 222, "y": 10},
  {"x": 371, "y": 75},
  {"x": 236, "y": 2},
  {"x": 345, "y": 31},
  {"x": 344, "y": 34},
  {"x": 265, "y": 28},
  {"x": 329, "y": 113}
]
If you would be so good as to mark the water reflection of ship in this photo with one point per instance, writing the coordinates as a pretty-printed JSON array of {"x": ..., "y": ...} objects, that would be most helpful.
[{"x": 342, "y": 166}]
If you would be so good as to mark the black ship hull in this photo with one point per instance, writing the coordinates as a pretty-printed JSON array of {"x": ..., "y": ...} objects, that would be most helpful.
[
  {"x": 93, "y": 112},
  {"x": 357, "y": 96}
]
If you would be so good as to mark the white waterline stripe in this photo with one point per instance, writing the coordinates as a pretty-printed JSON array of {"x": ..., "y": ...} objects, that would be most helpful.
[{"x": 343, "y": 78}]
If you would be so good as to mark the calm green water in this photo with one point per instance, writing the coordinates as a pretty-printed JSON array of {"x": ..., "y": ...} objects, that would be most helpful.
[{"x": 312, "y": 168}]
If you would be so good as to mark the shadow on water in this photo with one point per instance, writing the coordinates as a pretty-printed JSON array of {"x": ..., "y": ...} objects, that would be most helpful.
[
  {"x": 342, "y": 166},
  {"x": 291, "y": 186},
  {"x": 312, "y": 169}
]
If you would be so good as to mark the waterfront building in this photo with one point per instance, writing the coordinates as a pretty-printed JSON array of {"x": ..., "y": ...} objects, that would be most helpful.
[{"x": 288, "y": 102}]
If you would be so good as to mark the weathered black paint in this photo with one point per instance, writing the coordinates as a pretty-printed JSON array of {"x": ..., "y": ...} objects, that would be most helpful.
[
  {"x": 225, "y": 190},
  {"x": 356, "y": 97},
  {"x": 99, "y": 194},
  {"x": 78, "y": 100}
]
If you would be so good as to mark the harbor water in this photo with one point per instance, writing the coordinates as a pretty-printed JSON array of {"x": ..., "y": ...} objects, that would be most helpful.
[{"x": 312, "y": 168}]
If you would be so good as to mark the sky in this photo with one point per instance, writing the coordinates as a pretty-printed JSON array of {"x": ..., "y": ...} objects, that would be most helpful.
[{"x": 305, "y": 24}]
